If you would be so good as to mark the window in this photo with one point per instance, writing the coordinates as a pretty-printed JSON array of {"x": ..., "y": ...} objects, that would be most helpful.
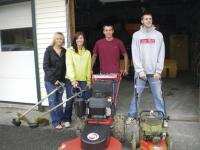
[{"x": 17, "y": 39}]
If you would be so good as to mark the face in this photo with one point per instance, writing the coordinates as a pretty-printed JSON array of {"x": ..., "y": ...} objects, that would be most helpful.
[
  {"x": 59, "y": 40},
  {"x": 80, "y": 41},
  {"x": 147, "y": 21},
  {"x": 108, "y": 31}
]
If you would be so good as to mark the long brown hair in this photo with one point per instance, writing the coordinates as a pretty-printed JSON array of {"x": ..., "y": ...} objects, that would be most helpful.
[{"x": 77, "y": 34}]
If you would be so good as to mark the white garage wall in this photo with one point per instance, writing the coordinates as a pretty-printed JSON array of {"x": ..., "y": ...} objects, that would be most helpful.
[{"x": 51, "y": 17}]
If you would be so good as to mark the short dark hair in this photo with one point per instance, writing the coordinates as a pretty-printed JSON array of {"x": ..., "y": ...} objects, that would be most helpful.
[
  {"x": 77, "y": 34},
  {"x": 146, "y": 13},
  {"x": 108, "y": 25}
]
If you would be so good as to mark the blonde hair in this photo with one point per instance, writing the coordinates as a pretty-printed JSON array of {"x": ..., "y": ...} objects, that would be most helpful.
[{"x": 55, "y": 36}]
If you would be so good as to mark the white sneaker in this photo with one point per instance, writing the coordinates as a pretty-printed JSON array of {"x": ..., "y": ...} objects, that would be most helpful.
[
  {"x": 130, "y": 120},
  {"x": 67, "y": 124}
]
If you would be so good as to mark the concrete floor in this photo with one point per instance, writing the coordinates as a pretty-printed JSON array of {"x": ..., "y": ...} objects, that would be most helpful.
[
  {"x": 181, "y": 97},
  {"x": 182, "y": 103}
]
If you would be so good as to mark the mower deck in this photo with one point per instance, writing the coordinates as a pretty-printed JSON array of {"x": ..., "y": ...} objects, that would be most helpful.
[{"x": 75, "y": 144}]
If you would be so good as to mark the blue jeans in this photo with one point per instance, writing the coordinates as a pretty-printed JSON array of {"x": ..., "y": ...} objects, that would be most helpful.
[
  {"x": 155, "y": 85},
  {"x": 54, "y": 99},
  {"x": 69, "y": 104}
]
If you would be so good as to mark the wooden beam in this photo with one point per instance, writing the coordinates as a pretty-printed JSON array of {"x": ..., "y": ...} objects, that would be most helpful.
[{"x": 71, "y": 17}]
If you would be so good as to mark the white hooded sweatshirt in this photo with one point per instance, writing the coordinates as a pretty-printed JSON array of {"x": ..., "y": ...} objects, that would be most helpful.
[{"x": 148, "y": 51}]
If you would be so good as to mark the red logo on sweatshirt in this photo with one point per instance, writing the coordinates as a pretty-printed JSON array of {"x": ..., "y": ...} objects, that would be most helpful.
[{"x": 144, "y": 41}]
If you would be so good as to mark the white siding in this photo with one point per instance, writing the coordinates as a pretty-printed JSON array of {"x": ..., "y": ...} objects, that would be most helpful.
[
  {"x": 51, "y": 17},
  {"x": 15, "y": 16}
]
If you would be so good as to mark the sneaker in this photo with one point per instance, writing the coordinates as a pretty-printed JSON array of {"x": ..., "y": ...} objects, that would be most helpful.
[
  {"x": 58, "y": 127},
  {"x": 67, "y": 124},
  {"x": 130, "y": 120}
]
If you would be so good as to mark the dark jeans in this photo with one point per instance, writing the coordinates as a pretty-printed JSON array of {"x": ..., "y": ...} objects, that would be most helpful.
[
  {"x": 54, "y": 99},
  {"x": 69, "y": 104}
]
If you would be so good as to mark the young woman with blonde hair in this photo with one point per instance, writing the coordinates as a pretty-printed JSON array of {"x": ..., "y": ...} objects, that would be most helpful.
[{"x": 55, "y": 69}]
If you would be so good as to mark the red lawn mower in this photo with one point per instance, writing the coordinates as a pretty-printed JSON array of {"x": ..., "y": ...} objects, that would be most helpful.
[
  {"x": 98, "y": 114},
  {"x": 150, "y": 128}
]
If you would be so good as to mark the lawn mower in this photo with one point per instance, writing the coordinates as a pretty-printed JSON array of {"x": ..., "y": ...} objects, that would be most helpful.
[
  {"x": 150, "y": 128},
  {"x": 98, "y": 113}
]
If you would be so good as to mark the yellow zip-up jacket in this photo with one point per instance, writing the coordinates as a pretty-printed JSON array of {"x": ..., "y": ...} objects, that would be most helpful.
[{"x": 78, "y": 65}]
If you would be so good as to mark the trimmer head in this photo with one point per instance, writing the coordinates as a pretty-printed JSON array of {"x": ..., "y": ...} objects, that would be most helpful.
[
  {"x": 33, "y": 125},
  {"x": 16, "y": 122}
]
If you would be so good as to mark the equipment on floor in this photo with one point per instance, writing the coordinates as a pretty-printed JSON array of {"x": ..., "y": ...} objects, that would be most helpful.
[
  {"x": 152, "y": 133},
  {"x": 17, "y": 121},
  {"x": 98, "y": 113},
  {"x": 40, "y": 120}
]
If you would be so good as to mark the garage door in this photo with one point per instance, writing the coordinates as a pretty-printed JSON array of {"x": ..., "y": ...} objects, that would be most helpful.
[{"x": 17, "y": 67}]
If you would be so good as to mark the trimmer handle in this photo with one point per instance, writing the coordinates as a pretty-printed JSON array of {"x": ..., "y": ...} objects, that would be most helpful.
[
  {"x": 60, "y": 86},
  {"x": 76, "y": 90}
]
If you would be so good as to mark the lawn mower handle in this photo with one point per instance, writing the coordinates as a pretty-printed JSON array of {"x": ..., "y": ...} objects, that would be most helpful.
[
  {"x": 135, "y": 87},
  {"x": 152, "y": 111}
]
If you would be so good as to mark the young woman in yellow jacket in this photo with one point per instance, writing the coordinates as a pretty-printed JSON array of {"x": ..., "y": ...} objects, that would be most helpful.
[{"x": 78, "y": 64}]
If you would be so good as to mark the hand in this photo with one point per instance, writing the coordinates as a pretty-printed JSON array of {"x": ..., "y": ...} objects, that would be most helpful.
[
  {"x": 74, "y": 83},
  {"x": 156, "y": 76},
  {"x": 57, "y": 82},
  {"x": 142, "y": 75},
  {"x": 89, "y": 86},
  {"x": 124, "y": 72}
]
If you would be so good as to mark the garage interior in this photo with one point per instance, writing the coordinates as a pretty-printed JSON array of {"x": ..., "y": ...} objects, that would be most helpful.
[{"x": 178, "y": 20}]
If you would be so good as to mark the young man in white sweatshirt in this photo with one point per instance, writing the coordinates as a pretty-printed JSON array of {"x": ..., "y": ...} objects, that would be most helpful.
[{"x": 148, "y": 53}]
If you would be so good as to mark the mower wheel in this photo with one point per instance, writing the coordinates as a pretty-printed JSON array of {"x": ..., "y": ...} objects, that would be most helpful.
[
  {"x": 80, "y": 124},
  {"x": 132, "y": 132},
  {"x": 133, "y": 144},
  {"x": 169, "y": 142},
  {"x": 118, "y": 127}
]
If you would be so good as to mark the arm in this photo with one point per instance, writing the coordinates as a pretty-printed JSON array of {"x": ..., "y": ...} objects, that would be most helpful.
[
  {"x": 47, "y": 67},
  {"x": 94, "y": 57},
  {"x": 161, "y": 58},
  {"x": 95, "y": 53},
  {"x": 69, "y": 65},
  {"x": 89, "y": 69},
  {"x": 124, "y": 53},
  {"x": 136, "y": 56},
  {"x": 126, "y": 62}
]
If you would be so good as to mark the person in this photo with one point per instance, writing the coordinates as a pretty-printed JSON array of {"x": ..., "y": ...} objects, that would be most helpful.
[
  {"x": 109, "y": 49},
  {"x": 54, "y": 69},
  {"x": 78, "y": 63},
  {"x": 148, "y": 53}
]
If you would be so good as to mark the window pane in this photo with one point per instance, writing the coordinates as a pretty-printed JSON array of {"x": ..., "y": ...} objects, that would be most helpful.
[{"x": 17, "y": 39}]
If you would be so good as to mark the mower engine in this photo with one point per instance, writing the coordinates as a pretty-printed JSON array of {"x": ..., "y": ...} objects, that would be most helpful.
[
  {"x": 153, "y": 130},
  {"x": 99, "y": 105}
]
